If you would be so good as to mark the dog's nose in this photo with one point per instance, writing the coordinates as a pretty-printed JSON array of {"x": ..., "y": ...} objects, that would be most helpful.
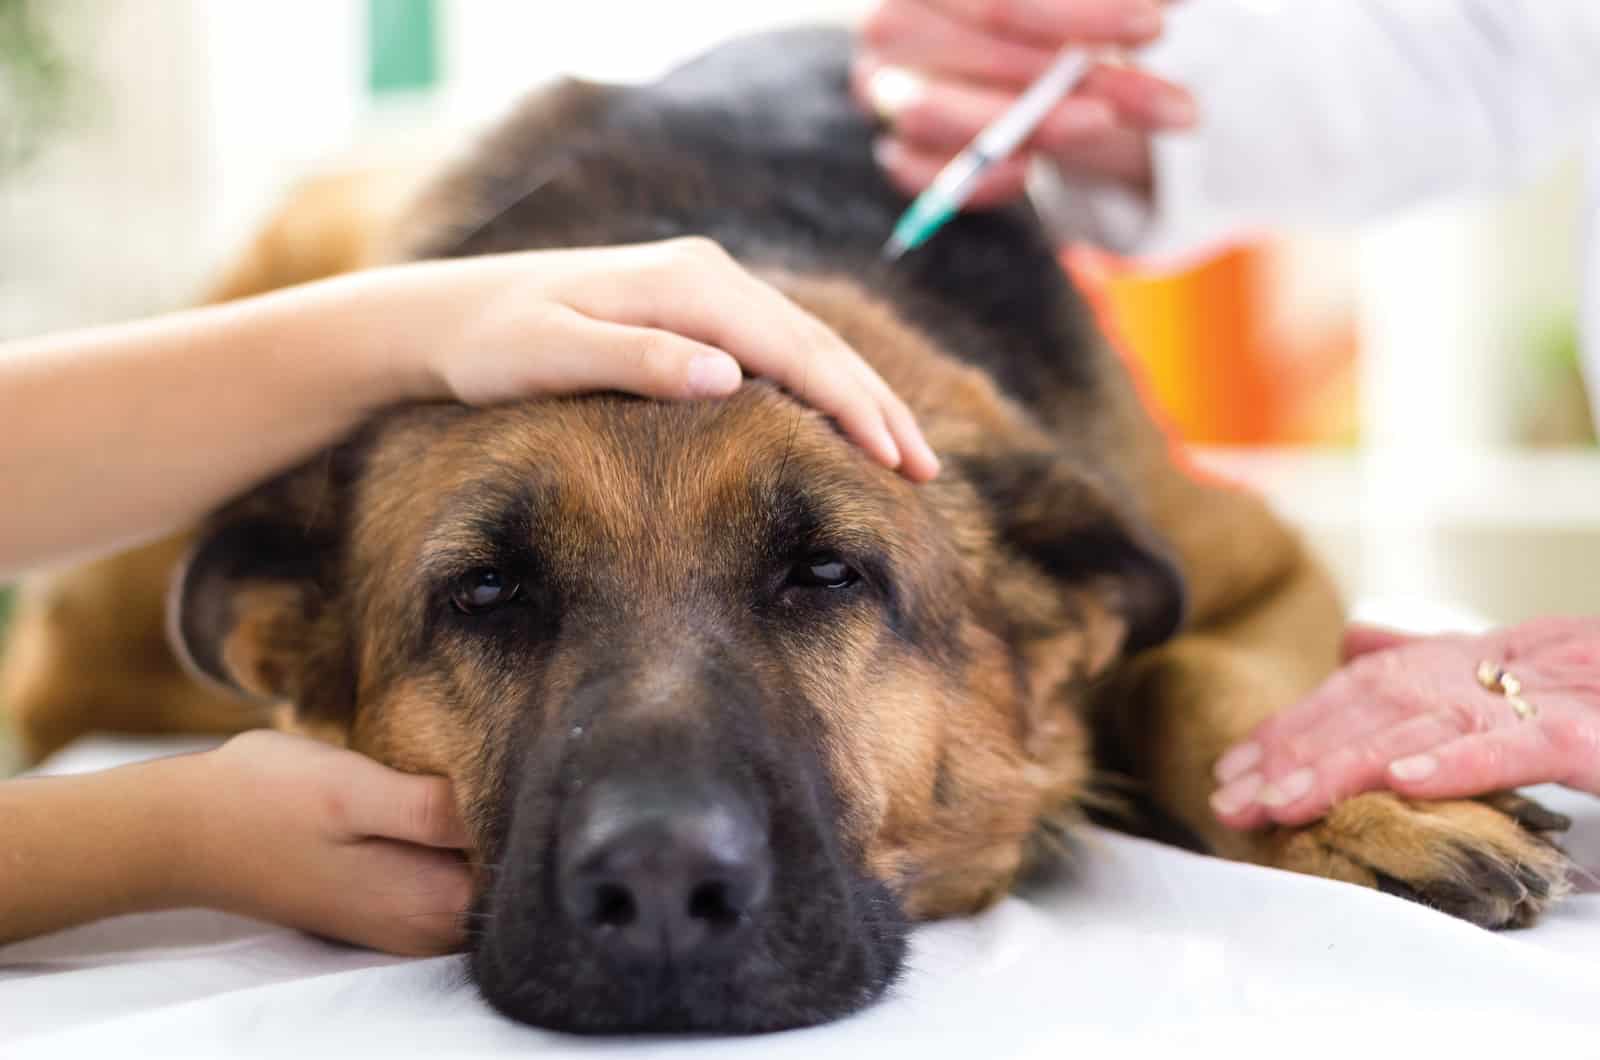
[{"x": 657, "y": 875}]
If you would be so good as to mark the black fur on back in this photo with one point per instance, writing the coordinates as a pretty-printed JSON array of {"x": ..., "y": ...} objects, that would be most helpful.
[{"x": 760, "y": 146}]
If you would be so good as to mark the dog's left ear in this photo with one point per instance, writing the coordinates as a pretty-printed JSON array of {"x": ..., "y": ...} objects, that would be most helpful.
[
  {"x": 1069, "y": 523},
  {"x": 253, "y": 608}
]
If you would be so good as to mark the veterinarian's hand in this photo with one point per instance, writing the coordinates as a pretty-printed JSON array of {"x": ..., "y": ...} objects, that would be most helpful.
[
  {"x": 675, "y": 319},
  {"x": 1411, "y": 714},
  {"x": 938, "y": 71},
  {"x": 298, "y": 832}
]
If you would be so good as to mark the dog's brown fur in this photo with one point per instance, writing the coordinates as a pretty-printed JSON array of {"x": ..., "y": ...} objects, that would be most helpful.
[{"x": 1263, "y": 627}]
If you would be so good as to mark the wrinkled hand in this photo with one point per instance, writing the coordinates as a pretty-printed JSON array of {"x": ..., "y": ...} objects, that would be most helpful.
[
  {"x": 1408, "y": 714},
  {"x": 938, "y": 71},
  {"x": 329, "y": 841}
]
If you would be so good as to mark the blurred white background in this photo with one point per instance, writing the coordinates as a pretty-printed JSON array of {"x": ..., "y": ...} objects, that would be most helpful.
[{"x": 184, "y": 119}]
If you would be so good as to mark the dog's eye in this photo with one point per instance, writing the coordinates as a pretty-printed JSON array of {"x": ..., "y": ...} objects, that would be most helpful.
[
  {"x": 483, "y": 590},
  {"x": 823, "y": 570}
]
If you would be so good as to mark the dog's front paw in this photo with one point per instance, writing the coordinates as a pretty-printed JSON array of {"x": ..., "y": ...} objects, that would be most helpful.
[{"x": 1491, "y": 861}]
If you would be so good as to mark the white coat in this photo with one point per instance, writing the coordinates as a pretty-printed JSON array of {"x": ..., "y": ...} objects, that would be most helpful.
[{"x": 1319, "y": 112}]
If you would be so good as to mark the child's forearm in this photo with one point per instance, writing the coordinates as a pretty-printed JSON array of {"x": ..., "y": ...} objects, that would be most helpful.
[
  {"x": 120, "y": 434},
  {"x": 78, "y": 848}
]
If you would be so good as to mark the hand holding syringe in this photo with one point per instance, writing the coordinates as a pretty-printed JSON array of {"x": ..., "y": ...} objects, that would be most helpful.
[{"x": 940, "y": 72}]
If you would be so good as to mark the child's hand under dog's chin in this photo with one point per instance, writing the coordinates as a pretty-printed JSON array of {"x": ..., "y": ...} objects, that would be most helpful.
[
  {"x": 287, "y": 829},
  {"x": 269, "y": 825}
]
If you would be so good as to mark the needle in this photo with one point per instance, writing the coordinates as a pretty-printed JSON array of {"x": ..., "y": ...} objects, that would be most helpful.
[{"x": 950, "y": 190}]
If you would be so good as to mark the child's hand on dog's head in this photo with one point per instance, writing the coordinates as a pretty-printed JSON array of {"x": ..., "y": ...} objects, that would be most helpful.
[
  {"x": 301, "y": 833},
  {"x": 675, "y": 319},
  {"x": 181, "y": 412}
]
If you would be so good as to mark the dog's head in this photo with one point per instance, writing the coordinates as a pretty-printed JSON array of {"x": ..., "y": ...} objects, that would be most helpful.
[{"x": 725, "y": 704}]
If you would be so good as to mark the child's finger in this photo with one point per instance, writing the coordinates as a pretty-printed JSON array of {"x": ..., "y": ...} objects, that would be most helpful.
[
  {"x": 817, "y": 367},
  {"x": 413, "y": 903},
  {"x": 694, "y": 288},
  {"x": 875, "y": 405},
  {"x": 786, "y": 344},
  {"x": 407, "y": 807},
  {"x": 918, "y": 460},
  {"x": 650, "y": 362},
  {"x": 843, "y": 394}
]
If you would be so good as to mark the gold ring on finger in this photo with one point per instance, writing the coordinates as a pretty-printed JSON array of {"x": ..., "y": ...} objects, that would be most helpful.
[{"x": 1502, "y": 682}]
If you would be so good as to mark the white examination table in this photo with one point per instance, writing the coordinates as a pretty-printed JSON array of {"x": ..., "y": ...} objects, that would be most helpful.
[{"x": 1148, "y": 951}]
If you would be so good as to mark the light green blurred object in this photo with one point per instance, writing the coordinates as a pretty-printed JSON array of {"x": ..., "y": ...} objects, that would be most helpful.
[
  {"x": 1556, "y": 407},
  {"x": 33, "y": 82},
  {"x": 403, "y": 46}
]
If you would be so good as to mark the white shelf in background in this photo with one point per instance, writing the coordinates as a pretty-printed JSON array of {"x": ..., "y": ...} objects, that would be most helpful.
[{"x": 1498, "y": 533}]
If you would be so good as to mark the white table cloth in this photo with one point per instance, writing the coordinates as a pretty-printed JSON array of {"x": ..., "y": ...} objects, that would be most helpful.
[{"x": 1142, "y": 948}]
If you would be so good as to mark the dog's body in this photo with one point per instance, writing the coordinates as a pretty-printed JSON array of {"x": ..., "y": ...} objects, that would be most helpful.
[{"x": 875, "y": 695}]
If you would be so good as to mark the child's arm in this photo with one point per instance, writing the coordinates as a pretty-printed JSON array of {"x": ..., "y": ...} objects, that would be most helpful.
[
  {"x": 268, "y": 825},
  {"x": 121, "y": 433}
]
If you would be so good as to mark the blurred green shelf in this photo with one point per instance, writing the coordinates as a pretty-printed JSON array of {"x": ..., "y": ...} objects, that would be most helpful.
[{"x": 402, "y": 46}]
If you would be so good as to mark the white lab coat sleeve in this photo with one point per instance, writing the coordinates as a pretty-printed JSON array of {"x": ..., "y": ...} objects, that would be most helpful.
[{"x": 1334, "y": 112}]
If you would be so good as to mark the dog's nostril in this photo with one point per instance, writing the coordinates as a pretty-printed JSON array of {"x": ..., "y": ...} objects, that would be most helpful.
[
  {"x": 657, "y": 875},
  {"x": 613, "y": 906},
  {"x": 713, "y": 903}
]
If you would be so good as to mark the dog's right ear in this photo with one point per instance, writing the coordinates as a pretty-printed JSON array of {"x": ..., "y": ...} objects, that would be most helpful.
[
  {"x": 511, "y": 183},
  {"x": 1065, "y": 520},
  {"x": 253, "y": 607}
]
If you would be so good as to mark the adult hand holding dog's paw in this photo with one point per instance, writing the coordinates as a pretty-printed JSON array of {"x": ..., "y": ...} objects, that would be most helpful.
[
  {"x": 301, "y": 833},
  {"x": 675, "y": 319},
  {"x": 937, "y": 72},
  {"x": 1428, "y": 717}
]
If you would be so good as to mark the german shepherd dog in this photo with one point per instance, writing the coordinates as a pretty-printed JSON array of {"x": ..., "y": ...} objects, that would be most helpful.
[{"x": 728, "y": 706}]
